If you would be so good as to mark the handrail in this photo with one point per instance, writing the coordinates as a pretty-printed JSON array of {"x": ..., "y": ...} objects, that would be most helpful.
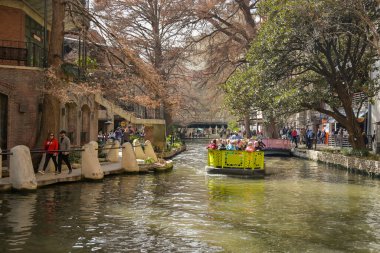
[
  {"x": 40, "y": 150},
  {"x": 55, "y": 150},
  {"x": 6, "y": 153}
]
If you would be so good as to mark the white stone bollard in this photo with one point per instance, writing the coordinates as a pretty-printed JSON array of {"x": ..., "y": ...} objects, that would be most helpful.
[
  {"x": 139, "y": 152},
  {"x": 95, "y": 144},
  {"x": 113, "y": 154},
  {"x": 91, "y": 168},
  {"x": 21, "y": 172},
  {"x": 108, "y": 144},
  {"x": 128, "y": 159},
  {"x": 149, "y": 151}
]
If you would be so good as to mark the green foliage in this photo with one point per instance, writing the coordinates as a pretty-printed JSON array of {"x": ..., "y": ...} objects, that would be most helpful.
[
  {"x": 75, "y": 157},
  {"x": 173, "y": 141},
  {"x": 90, "y": 63},
  {"x": 346, "y": 151},
  {"x": 149, "y": 160},
  {"x": 359, "y": 152},
  {"x": 133, "y": 137},
  {"x": 306, "y": 56},
  {"x": 233, "y": 126}
]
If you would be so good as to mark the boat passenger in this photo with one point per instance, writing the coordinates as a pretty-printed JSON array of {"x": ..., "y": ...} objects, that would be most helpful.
[
  {"x": 261, "y": 144},
  {"x": 256, "y": 145},
  {"x": 212, "y": 145},
  {"x": 239, "y": 145},
  {"x": 222, "y": 145},
  {"x": 250, "y": 147},
  {"x": 231, "y": 145}
]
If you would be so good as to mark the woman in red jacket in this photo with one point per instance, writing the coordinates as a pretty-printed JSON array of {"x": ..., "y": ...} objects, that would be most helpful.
[{"x": 51, "y": 147}]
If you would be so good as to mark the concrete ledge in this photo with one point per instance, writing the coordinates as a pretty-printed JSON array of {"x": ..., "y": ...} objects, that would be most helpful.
[
  {"x": 369, "y": 167},
  {"x": 172, "y": 153}
]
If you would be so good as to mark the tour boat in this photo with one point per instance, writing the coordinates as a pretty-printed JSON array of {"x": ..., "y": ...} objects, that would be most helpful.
[{"x": 240, "y": 163}]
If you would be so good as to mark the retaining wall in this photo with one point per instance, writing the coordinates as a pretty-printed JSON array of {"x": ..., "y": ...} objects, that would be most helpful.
[{"x": 369, "y": 167}]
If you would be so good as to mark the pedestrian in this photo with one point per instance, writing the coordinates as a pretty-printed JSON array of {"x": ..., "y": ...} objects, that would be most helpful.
[
  {"x": 50, "y": 147},
  {"x": 309, "y": 138},
  {"x": 294, "y": 137},
  {"x": 365, "y": 138},
  {"x": 340, "y": 137},
  {"x": 64, "y": 147}
]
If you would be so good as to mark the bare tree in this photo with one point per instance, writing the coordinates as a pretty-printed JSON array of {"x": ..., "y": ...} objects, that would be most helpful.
[
  {"x": 157, "y": 30},
  {"x": 226, "y": 30}
]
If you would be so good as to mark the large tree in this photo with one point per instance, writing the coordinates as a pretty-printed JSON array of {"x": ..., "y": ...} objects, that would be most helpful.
[
  {"x": 157, "y": 30},
  {"x": 226, "y": 30},
  {"x": 317, "y": 53}
]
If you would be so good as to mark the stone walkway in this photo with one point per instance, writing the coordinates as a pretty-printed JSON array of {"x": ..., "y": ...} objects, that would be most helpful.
[{"x": 50, "y": 178}]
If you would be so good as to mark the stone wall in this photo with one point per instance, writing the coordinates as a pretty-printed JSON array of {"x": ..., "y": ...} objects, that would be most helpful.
[{"x": 369, "y": 167}]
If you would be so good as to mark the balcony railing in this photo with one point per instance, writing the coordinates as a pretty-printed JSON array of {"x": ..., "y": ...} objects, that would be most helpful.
[{"x": 18, "y": 53}]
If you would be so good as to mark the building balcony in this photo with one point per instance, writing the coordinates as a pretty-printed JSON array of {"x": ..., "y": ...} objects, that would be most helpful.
[{"x": 18, "y": 53}]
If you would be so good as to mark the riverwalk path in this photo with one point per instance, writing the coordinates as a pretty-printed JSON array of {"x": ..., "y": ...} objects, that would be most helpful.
[{"x": 50, "y": 178}]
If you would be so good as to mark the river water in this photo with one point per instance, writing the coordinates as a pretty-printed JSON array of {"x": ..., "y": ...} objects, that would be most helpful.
[{"x": 302, "y": 207}]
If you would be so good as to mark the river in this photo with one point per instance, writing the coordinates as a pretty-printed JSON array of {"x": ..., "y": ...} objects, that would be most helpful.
[{"x": 302, "y": 207}]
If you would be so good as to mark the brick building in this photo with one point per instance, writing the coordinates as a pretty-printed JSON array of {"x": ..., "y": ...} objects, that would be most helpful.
[
  {"x": 24, "y": 29},
  {"x": 27, "y": 114}
]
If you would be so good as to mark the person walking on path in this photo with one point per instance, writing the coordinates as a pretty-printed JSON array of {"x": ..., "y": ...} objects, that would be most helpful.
[
  {"x": 294, "y": 135},
  {"x": 50, "y": 147},
  {"x": 64, "y": 147}
]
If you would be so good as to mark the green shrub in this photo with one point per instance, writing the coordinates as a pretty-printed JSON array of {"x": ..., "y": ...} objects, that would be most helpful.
[
  {"x": 360, "y": 152},
  {"x": 75, "y": 156},
  {"x": 346, "y": 151},
  {"x": 149, "y": 160},
  {"x": 102, "y": 155}
]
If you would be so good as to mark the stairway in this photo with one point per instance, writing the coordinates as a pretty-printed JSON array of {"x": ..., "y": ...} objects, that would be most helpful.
[{"x": 346, "y": 144}]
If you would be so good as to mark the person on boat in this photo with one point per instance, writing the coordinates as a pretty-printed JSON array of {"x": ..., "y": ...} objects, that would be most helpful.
[
  {"x": 212, "y": 145},
  {"x": 222, "y": 145},
  {"x": 250, "y": 147},
  {"x": 231, "y": 145},
  {"x": 261, "y": 144},
  {"x": 239, "y": 145},
  {"x": 256, "y": 145}
]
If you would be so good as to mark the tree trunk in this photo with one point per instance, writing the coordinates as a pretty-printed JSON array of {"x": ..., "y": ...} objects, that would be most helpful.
[
  {"x": 49, "y": 123},
  {"x": 247, "y": 126},
  {"x": 50, "y": 111},
  {"x": 168, "y": 118},
  {"x": 57, "y": 33},
  {"x": 355, "y": 136},
  {"x": 271, "y": 129}
]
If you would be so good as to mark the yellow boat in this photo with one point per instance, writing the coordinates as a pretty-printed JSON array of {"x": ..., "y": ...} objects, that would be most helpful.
[{"x": 236, "y": 163}]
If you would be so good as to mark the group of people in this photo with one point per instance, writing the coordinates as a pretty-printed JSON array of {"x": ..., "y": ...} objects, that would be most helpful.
[
  {"x": 236, "y": 144},
  {"x": 120, "y": 134},
  {"x": 57, "y": 148},
  {"x": 297, "y": 136}
]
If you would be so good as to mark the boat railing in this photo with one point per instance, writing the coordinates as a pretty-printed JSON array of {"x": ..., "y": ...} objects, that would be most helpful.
[{"x": 236, "y": 159}]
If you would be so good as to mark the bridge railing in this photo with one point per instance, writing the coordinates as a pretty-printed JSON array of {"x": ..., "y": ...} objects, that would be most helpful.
[{"x": 277, "y": 144}]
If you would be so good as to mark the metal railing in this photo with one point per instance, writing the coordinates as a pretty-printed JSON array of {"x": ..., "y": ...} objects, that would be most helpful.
[
  {"x": 21, "y": 53},
  {"x": 78, "y": 149}
]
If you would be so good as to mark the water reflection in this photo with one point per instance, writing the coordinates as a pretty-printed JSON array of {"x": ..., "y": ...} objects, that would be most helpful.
[
  {"x": 302, "y": 206},
  {"x": 18, "y": 219}
]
